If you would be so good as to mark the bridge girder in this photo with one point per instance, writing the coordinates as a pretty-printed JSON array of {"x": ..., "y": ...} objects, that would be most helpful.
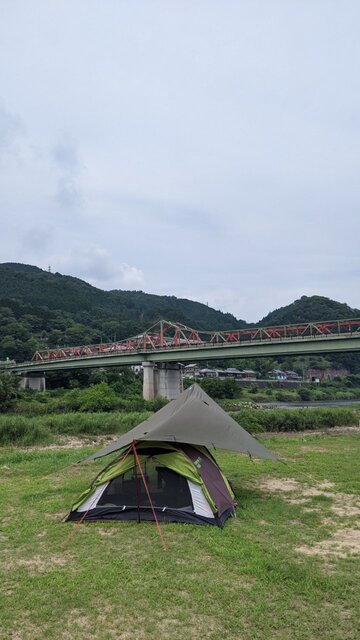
[{"x": 295, "y": 346}]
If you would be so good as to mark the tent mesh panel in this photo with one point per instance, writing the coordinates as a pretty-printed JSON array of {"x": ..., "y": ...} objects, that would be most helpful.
[{"x": 167, "y": 489}]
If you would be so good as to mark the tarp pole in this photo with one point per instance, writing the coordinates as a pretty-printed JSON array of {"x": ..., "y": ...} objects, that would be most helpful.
[
  {"x": 137, "y": 482},
  {"x": 133, "y": 445}
]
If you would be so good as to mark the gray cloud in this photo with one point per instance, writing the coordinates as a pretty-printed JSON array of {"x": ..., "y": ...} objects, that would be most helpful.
[
  {"x": 11, "y": 128},
  {"x": 213, "y": 149},
  {"x": 98, "y": 267},
  {"x": 65, "y": 154},
  {"x": 65, "y": 157},
  {"x": 36, "y": 239},
  {"x": 67, "y": 193}
]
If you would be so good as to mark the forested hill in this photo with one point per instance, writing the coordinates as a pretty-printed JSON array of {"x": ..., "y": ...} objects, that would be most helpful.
[
  {"x": 40, "y": 309},
  {"x": 310, "y": 309}
]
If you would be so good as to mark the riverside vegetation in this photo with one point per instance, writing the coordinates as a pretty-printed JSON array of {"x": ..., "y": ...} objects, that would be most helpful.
[{"x": 113, "y": 404}]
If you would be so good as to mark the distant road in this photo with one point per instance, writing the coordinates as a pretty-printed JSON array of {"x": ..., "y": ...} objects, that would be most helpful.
[{"x": 304, "y": 405}]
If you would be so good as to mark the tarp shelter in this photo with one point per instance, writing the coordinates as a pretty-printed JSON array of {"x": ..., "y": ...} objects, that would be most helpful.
[{"x": 176, "y": 468}]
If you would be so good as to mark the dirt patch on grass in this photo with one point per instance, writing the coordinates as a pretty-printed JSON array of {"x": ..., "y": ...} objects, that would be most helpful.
[
  {"x": 308, "y": 448},
  {"x": 27, "y": 631},
  {"x": 341, "y": 504},
  {"x": 347, "y": 509},
  {"x": 275, "y": 485},
  {"x": 343, "y": 543},
  {"x": 77, "y": 620},
  {"x": 72, "y": 442},
  {"x": 105, "y": 532},
  {"x": 38, "y": 565},
  {"x": 173, "y": 626}
]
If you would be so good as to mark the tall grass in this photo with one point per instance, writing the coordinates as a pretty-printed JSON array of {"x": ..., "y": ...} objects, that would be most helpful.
[
  {"x": 275, "y": 420},
  {"x": 95, "y": 398},
  {"x": 21, "y": 430},
  {"x": 44, "y": 429}
]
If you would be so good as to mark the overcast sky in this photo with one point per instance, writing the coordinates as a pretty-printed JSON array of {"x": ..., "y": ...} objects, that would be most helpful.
[{"x": 196, "y": 148}]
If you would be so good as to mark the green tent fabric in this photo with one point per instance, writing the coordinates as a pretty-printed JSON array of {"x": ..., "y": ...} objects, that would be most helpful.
[
  {"x": 173, "y": 460},
  {"x": 184, "y": 481},
  {"x": 193, "y": 418}
]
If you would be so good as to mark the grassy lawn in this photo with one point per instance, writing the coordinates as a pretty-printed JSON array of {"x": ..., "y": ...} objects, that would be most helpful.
[{"x": 287, "y": 567}]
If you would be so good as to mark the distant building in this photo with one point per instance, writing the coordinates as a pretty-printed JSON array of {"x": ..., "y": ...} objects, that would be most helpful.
[
  {"x": 248, "y": 374},
  {"x": 209, "y": 373},
  {"x": 277, "y": 374},
  {"x": 292, "y": 375},
  {"x": 191, "y": 370},
  {"x": 231, "y": 372},
  {"x": 326, "y": 374}
]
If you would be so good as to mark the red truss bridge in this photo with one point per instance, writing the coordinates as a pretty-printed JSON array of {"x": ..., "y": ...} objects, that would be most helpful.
[
  {"x": 162, "y": 348},
  {"x": 165, "y": 338}
]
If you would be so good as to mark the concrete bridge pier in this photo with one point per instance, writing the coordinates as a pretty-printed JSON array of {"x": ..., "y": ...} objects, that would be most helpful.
[
  {"x": 148, "y": 381},
  {"x": 33, "y": 381},
  {"x": 168, "y": 380},
  {"x": 164, "y": 380}
]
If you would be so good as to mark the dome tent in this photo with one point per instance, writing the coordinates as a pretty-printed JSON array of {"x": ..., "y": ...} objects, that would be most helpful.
[
  {"x": 164, "y": 467},
  {"x": 184, "y": 482}
]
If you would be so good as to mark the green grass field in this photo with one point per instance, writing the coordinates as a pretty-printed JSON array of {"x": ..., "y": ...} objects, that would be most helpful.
[{"x": 287, "y": 567}]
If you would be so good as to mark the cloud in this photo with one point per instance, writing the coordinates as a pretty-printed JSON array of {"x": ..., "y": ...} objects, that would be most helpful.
[
  {"x": 67, "y": 193},
  {"x": 65, "y": 154},
  {"x": 131, "y": 276},
  {"x": 215, "y": 151},
  {"x": 36, "y": 239},
  {"x": 66, "y": 159},
  {"x": 97, "y": 266},
  {"x": 11, "y": 128}
]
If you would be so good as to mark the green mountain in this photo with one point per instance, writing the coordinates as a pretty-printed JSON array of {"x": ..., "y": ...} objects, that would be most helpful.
[
  {"x": 39, "y": 309},
  {"x": 309, "y": 309},
  {"x": 314, "y": 309}
]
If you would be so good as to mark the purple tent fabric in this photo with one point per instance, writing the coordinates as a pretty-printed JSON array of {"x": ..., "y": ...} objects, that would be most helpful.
[{"x": 212, "y": 478}]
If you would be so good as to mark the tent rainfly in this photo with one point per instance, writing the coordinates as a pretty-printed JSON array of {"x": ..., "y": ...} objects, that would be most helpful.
[{"x": 164, "y": 468}]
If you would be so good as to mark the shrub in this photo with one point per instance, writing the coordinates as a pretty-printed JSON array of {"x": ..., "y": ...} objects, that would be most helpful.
[
  {"x": 221, "y": 388},
  {"x": 9, "y": 390},
  {"x": 286, "y": 396},
  {"x": 98, "y": 397},
  {"x": 305, "y": 393},
  {"x": 260, "y": 397},
  {"x": 155, "y": 405}
]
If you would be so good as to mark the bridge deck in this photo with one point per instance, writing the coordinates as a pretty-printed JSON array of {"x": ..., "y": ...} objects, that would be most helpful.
[{"x": 269, "y": 347}]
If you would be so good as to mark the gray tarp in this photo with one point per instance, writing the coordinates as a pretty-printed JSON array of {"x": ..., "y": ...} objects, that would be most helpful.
[{"x": 193, "y": 418}]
